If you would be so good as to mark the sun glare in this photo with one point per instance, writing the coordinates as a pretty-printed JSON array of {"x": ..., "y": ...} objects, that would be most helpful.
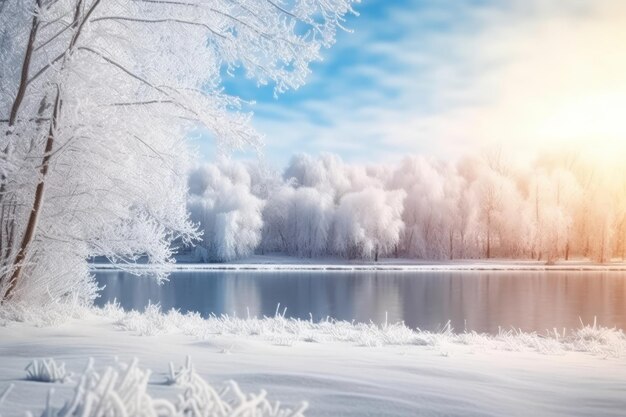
[{"x": 595, "y": 124}]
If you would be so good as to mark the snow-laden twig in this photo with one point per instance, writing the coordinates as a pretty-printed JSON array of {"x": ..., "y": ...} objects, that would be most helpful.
[
  {"x": 121, "y": 391},
  {"x": 182, "y": 376},
  {"x": 5, "y": 393},
  {"x": 46, "y": 370}
]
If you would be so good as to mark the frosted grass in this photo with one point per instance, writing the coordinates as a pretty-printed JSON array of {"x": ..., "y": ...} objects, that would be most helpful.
[
  {"x": 592, "y": 338},
  {"x": 121, "y": 390},
  {"x": 47, "y": 370},
  {"x": 588, "y": 338}
]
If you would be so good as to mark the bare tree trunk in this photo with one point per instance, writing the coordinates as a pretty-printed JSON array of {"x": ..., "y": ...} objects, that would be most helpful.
[
  {"x": 463, "y": 248},
  {"x": 78, "y": 23},
  {"x": 489, "y": 236},
  {"x": 5, "y": 247},
  {"x": 33, "y": 217},
  {"x": 603, "y": 245},
  {"x": 21, "y": 91}
]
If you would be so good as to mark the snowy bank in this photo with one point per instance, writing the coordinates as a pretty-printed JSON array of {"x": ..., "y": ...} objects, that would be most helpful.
[
  {"x": 281, "y": 330},
  {"x": 340, "y": 368},
  {"x": 594, "y": 339}
]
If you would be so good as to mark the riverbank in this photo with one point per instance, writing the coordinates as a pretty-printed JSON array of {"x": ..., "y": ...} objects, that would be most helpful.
[
  {"x": 289, "y": 263},
  {"x": 339, "y": 368}
]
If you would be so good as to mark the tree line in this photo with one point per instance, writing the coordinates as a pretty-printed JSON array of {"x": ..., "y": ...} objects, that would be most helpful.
[{"x": 559, "y": 206}]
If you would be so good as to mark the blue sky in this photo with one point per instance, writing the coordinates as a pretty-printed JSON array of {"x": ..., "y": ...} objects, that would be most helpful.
[{"x": 444, "y": 77}]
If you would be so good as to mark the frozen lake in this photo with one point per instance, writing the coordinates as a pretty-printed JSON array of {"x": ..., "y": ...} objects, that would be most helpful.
[{"x": 481, "y": 301}]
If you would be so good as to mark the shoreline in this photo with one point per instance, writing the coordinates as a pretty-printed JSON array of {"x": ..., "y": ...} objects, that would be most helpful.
[{"x": 505, "y": 266}]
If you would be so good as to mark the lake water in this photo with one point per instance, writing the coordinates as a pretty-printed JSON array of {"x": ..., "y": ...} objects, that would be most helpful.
[{"x": 481, "y": 301}]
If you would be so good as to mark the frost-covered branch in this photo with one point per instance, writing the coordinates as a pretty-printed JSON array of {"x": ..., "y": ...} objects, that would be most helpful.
[
  {"x": 166, "y": 20},
  {"x": 98, "y": 120}
]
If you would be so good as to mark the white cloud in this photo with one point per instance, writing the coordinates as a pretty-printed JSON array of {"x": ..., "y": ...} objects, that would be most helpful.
[{"x": 527, "y": 74}]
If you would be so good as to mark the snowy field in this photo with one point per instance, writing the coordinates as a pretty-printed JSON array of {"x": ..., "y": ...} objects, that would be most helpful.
[{"x": 340, "y": 369}]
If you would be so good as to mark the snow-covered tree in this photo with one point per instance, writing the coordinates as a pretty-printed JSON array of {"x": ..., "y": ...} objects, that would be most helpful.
[
  {"x": 276, "y": 219},
  {"x": 620, "y": 218},
  {"x": 298, "y": 221},
  {"x": 427, "y": 216},
  {"x": 497, "y": 206},
  {"x": 554, "y": 195},
  {"x": 96, "y": 99},
  {"x": 329, "y": 174},
  {"x": 480, "y": 207},
  {"x": 368, "y": 223},
  {"x": 225, "y": 209}
]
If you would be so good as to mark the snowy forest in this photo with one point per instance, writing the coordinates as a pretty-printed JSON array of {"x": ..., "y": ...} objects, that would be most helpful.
[{"x": 557, "y": 207}]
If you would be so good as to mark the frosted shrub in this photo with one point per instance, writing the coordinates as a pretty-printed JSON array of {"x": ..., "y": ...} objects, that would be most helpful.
[
  {"x": 598, "y": 339},
  {"x": 118, "y": 391},
  {"x": 46, "y": 370},
  {"x": 200, "y": 399},
  {"x": 183, "y": 375},
  {"x": 121, "y": 391}
]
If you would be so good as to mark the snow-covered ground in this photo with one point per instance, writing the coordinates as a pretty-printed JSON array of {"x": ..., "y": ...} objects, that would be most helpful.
[
  {"x": 341, "y": 369},
  {"x": 289, "y": 263}
]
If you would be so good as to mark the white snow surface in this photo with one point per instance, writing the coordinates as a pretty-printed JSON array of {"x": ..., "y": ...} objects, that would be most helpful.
[{"x": 339, "y": 368}]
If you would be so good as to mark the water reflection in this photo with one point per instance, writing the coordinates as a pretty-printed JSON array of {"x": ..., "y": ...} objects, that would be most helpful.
[{"x": 427, "y": 300}]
